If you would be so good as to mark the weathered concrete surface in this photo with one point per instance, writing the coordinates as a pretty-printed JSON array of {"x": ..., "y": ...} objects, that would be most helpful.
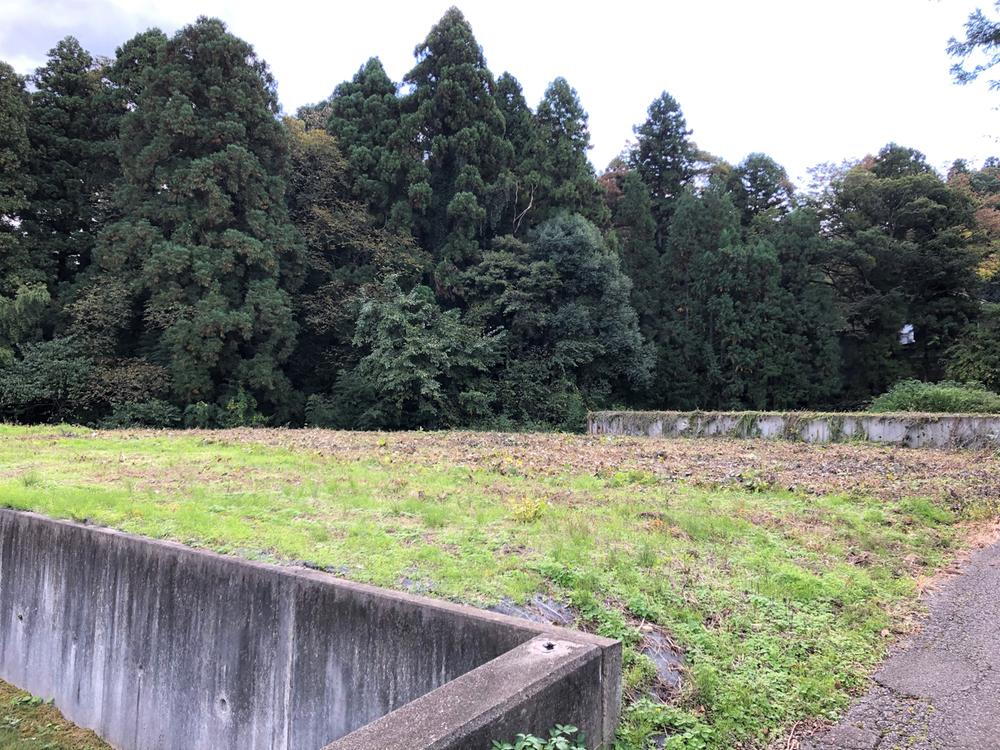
[
  {"x": 525, "y": 687},
  {"x": 941, "y": 691},
  {"x": 155, "y": 645},
  {"x": 914, "y": 430}
]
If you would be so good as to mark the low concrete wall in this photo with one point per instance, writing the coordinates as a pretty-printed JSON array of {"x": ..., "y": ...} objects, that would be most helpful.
[
  {"x": 914, "y": 430},
  {"x": 155, "y": 645}
]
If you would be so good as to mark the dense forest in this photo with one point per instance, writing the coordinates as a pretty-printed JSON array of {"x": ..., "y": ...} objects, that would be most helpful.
[{"x": 437, "y": 252}]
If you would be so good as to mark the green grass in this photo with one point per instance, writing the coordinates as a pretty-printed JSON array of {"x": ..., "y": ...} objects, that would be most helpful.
[
  {"x": 28, "y": 723},
  {"x": 783, "y": 603}
]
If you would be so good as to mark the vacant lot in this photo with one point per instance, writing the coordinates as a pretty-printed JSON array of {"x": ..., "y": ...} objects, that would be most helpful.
[{"x": 780, "y": 572}]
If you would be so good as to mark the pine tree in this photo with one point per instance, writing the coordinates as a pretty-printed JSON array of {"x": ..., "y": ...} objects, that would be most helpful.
[
  {"x": 72, "y": 129},
  {"x": 636, "y": 232},
  {"x": 760, "y": 187},
  {"x": 364, "y": 117},
  {"x": 205, "y": 247},
  {"x": 713, "y": 331},
  {"x": 132, "y": 61},
  {"x": 807, "y": 353},
  {"x": 520, "y": 129},
  {"x": 567, "y": 180},
  {"x": 14, "y": 155},
  {"x": 453, "y": 117},
  {"x": 665, "y": 157},
  {"x": 24, "y": 296}
]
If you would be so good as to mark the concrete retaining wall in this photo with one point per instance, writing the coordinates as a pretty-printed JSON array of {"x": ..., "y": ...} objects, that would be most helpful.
[
  {"x": 156, "y": 646},
  {"x": 915, "y": 430}
]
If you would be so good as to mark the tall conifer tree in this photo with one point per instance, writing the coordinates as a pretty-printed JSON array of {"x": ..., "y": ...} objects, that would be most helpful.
[
  {"x": 205, "y": 246},
  {"x": 665, "y": 158},
  {"x": 454, "y": 119},
  {"x": 520, "y": 129},
  {"x": 364, "y": 117},
  {"x": 72, "y": 129},
  {"x": 567, "y": 180},
  {"x": 24, "y": 297},
  {"x": 636, "y": 232},
  {"x": 14, "y": 155}
]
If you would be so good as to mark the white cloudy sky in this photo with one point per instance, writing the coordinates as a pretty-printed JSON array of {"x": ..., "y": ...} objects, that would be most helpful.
[{"x": 803, "y": 80}]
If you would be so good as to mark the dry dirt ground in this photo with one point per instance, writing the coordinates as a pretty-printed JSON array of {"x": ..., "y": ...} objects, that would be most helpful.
[{"x": 850, "y": 468}]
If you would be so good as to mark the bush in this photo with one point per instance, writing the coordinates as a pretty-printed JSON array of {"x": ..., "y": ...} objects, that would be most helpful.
[
  {"x": 152, "y": 413},
  {"x": 321, "y": 412},
  {"x": 51, "y": 382},
  {"x": 241, "y": 411},
  {"x": 201, "y": 416},
  {"x": 946, "y": 396}
]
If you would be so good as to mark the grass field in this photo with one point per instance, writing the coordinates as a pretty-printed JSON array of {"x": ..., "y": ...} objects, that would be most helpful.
[
  {"x": 781, "y": 571},
  {"x": 27, "y": 723}
]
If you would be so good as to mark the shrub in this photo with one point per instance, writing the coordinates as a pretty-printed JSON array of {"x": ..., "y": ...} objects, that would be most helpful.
[
  {"x": 152, "y": 413},
  {"x": 321, "y": 412},
  {"x": 527, "y": 509},
  {"x": 946, "y": 396},
  {"x": 560, "y": 738},
  {"x": 241, "y": 411},
  {"x": 201, "y": 415},
  {"x": 51, "y": 382}
]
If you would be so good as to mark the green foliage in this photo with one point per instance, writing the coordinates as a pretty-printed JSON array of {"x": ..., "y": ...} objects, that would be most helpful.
[
  {"x": 976, "y": 354},
  {"x": 665, "y": 158},
  {"x": 51, "y": 381},
  {"x": 982, "y": 37},
  {"x": 28, "y": 722},
  {"x": 198, "y": 251},
  {"x": 681, "y": 729},
  {"x": 21, "y": 318},
  {"x": 461, "y": 185},
  {"x": 712, "y": 324},
  {"x": 71, "y": 128},
  {"x": 209, "y": 277},
  {"x": 635, "y": 230},
  {"x": 15, "y": 268},
  {"x": 363, "y": 114},
  {"x": 521, "y": 130},
  {"x": 343, "y": 250},
  {"x": 527, "y": 509},
  {"x": 421, "y": 366},
  {"x": 155, "y": 413},
  {"x": 201, "y": 415},
  {"x": 565, "y": 180},
  {"x": 761, "y": 189},
  {"x": 947, "y": 396},
  {"x": 561, "y": 737},
  {"x": 241, "y": 411},
  {"x": 572, "y": 335},
  {"x": 898, "y": 254}
]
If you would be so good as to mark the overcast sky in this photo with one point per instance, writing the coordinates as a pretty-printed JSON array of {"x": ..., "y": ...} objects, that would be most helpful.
[{"x": 805, "y": 81}]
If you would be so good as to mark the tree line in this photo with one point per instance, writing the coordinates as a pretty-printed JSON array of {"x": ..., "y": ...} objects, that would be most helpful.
[{"x": 437, "y": 252}]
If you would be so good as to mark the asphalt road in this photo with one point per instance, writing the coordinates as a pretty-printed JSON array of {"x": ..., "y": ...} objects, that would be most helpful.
[{"x": 942, "y": 689}]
